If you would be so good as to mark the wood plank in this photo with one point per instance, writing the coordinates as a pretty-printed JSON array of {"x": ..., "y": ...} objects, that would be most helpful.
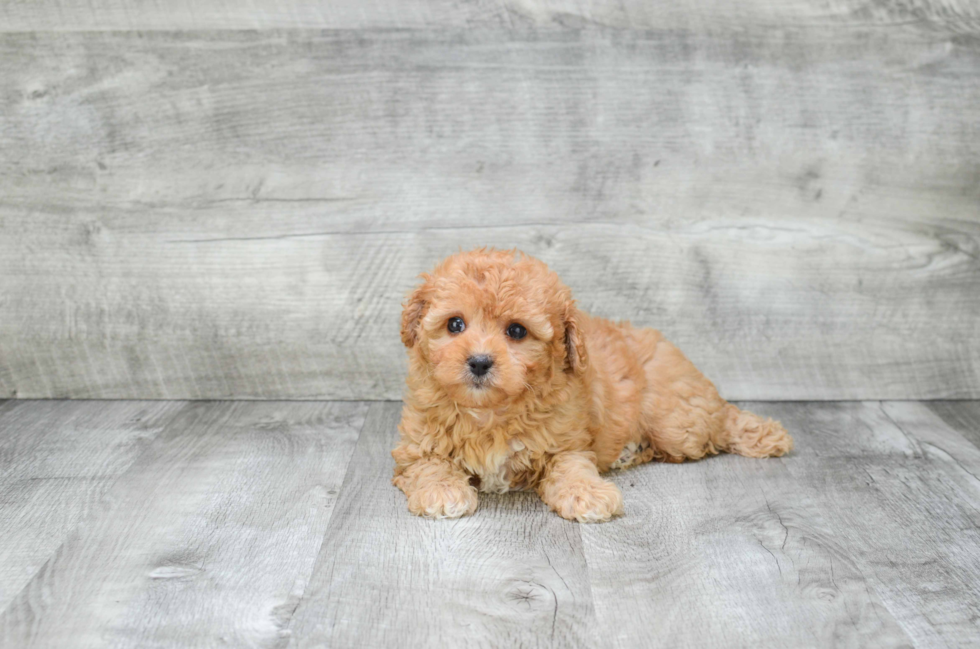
[
  {"x": 729, "y": 551},
  {"x": 960, "y": 16},
  {"x": 227, "y": 214},
  {"x": 57, "y": 461},
  {"x": 961, "y": 416},
  {"x": 938, "y": 440},
  {"x": 511, "y": 575},
  {"x": 899, "y": 490},
  {"x": 7, "y": 405},
  {"x": 208, "y": 539}
]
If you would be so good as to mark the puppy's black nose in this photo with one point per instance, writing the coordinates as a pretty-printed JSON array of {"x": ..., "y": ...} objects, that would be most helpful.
[{"x": 479, "y": 365}]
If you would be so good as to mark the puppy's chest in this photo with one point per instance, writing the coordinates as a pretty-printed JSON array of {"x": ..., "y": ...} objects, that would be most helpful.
[{"x": 502, "y": 471}]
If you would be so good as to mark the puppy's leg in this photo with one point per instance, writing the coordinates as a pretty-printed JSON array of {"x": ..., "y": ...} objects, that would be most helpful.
[
  {"x": 436, "y": 488},
  {"x": 572, "y": 487},
  {"x": 685, "y": 418}
]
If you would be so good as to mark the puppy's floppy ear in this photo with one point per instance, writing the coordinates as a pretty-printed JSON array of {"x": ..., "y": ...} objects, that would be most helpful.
[
  {"x": 412, "y": 312},
  {"x": 576, "y": 358}
]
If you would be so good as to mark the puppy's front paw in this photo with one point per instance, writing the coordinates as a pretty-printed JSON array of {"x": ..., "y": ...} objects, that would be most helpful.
[
  {"x": 593, "y": 501},
  {"x": 443, "y": 500}
]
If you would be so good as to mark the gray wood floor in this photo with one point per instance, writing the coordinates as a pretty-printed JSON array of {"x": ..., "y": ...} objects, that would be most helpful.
[{"x": 269, "y": 524}]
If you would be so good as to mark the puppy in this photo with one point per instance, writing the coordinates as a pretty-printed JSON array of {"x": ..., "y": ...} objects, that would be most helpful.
[{"x": 512, "y": 387}]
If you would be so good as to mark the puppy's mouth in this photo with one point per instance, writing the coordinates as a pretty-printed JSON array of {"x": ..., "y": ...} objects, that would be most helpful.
[
  {"x": 479, "y": 386},
  {"x": 480, "y": 382}
]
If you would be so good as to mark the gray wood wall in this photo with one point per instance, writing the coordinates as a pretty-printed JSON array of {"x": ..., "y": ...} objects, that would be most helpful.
[{"x": 216, "y": 199}]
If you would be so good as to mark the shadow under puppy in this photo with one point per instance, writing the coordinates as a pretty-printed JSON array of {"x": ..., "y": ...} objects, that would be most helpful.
[{"x": 510, "y": 386}]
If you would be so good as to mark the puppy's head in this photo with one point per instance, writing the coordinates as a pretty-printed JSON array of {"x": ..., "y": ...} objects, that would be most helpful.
[{"x": 488, "y": 326}]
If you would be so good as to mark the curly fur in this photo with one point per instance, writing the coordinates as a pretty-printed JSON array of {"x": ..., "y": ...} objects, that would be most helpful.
[{"x": 577, "y": 396}]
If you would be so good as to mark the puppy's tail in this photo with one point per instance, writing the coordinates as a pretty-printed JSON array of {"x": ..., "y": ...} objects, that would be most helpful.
[{"x": 752, "y": 436}]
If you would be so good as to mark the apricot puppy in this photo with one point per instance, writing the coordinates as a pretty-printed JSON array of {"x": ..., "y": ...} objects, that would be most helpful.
[{"x": 510, "y": 386}]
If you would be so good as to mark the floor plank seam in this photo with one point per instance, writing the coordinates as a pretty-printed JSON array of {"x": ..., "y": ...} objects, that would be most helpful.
[{"x": 288, "y": 623}]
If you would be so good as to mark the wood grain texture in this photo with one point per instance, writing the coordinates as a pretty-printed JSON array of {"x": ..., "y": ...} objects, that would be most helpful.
[
  {"x": 231, "y": 214},
  {"x": 732, "y": 552},
  {"x": 511, "y": 575},
  {"x": 900, "y": 489},
  {"x": 208, "y": 539},
  {"x": 57, "y": 461},
  {"x": 275, "y": 524},
  {"x": 959, "y": 16}
]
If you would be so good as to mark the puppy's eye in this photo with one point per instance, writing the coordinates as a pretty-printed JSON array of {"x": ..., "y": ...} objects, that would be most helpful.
[
  {"x": 516, "y": 331},
  {"x": 456, "y": 325}
]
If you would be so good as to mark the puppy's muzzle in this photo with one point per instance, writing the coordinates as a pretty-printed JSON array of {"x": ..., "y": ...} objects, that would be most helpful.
[{"x": 479, "y": 365}]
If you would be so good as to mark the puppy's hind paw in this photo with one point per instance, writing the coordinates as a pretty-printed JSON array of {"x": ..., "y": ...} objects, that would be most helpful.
[
  {"x": 753, "y": 436},
  {"x": 443, "y": 500},
  {"x": 594, "y": 501}
]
